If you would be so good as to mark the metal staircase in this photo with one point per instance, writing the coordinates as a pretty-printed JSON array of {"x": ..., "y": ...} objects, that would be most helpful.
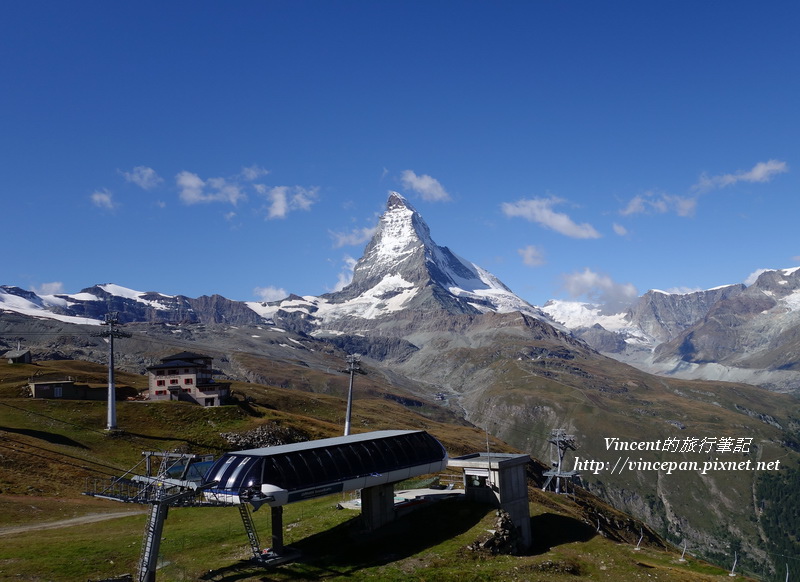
[{"x": 250, "y": 528}]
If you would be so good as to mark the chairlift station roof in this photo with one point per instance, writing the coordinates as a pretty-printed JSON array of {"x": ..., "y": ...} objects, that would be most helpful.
[{"x": 328, "y": 465}]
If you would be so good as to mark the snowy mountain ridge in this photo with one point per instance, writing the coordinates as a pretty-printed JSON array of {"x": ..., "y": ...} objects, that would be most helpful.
[{"x": 402, "y": 268}]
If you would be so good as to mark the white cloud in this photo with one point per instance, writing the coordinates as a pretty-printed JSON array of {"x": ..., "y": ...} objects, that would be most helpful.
[
  {"x": 660, "y": 202},
  {"x": 357, "y": 236},
  {"x": 540, "y": 211},
  {"x": 682, "y": 206},
  {"x": 532, "y": 256},
  {"x": 253, "y": 172},
  {"x": 144, "y": 177},
  {"x": 619, "y": 229},
  {"x": 193, "y": 189},
  {"x": 270, "y": 293},
  {"x": 103, "y": 199},
  {"x": 49, "y": 288},
  {"x": 346, "y": 274},
  {"x": 284, "y": 199},
  {"x": 600, "y": 289},
  {"x": 428, "y": 187},
  {"x": 761, "y": 172}
]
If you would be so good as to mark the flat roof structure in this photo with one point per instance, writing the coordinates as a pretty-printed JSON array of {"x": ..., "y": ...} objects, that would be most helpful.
[
  {"x": 499, "y": 479},
  {"x": 288, "y": 473}
]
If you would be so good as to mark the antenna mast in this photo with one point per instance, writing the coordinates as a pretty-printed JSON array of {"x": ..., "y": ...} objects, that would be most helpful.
[{"x": 112, "y": 319}]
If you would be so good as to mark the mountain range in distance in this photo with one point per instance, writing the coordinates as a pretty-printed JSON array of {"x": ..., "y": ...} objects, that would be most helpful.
[{"x": 732, "y": 333}]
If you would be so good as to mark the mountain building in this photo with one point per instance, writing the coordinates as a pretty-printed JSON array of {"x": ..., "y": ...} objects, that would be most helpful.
[
  {"x": 18, "y": 356},
  {"x": 186, "y": 376}
]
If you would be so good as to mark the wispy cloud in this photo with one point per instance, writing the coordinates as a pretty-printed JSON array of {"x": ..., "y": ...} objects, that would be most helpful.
[
  {"x": 356, "y": 236},
  {"x": 346, "y": 274},
  {"x": 619, "y": 229},
  {"x": 751, "y": 278},
  {"x": 194, "y": 190},
  {"x": 652, "y": 202},
  {"x": 253, "y": 172},
  {"x": 761, "y": 172},
  {"x": 270, "y": 293},
  {"x": 540, "y": 211},
  {"x": 281, "y": 200},
  {"x": 49, "y": 288},
  {"x": 144, "y": 177},
  {"x": 532, "y": 256},
  {"x": 426, "y": 186},
  {"x": 600, "y": 289},
  {"x": 103, "y": 199}
]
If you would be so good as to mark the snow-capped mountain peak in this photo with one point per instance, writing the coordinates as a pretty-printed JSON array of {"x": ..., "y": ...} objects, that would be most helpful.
[{"x": 403, "y": 261}]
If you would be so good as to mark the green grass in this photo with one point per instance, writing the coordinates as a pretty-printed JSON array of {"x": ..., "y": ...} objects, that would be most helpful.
[
  {"x": 428, "y": 544},
  {"x": 50, "y": 447}
]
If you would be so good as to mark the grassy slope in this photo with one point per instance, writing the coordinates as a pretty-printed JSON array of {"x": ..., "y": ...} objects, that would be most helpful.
[
  {"x": 49, "y": 448},
  {"x": 522, "y": 398}
]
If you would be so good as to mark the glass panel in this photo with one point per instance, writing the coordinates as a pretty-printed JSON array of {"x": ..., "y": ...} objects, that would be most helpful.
[{"x": 232, "y": 483}]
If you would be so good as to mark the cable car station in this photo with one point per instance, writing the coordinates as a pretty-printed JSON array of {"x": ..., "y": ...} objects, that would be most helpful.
[{"x": 276, "y": 476}]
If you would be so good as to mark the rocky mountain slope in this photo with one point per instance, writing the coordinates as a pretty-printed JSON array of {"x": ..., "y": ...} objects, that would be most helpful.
[{"x": 733, "y": 333}]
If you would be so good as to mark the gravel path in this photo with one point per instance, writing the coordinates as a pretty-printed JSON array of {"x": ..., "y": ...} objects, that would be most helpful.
[{"x": 83, "y": 519}]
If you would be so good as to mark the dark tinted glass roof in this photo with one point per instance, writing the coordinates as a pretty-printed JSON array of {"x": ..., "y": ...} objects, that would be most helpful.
[{"x": 314, "y": 463}]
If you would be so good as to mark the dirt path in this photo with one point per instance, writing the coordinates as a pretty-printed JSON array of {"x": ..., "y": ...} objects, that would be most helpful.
[{"x": 83, "y": 519}]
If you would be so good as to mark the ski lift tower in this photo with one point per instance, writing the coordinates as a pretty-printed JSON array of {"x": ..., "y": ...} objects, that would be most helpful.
[
  {"x": 353, "y": 361},
  {"x": 563, "y": 442},
  {"x": 111, "y": 320}
]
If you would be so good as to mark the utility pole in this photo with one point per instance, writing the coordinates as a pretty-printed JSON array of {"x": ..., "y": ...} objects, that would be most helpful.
[
  {"x": 112, "y": 319},
  {"x": 353, "y": 361}
]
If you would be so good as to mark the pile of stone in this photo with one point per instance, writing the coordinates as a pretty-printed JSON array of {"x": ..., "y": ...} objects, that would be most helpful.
[
  {"x": 267, "y": 435},
  {"x": 503, "y": 539}
]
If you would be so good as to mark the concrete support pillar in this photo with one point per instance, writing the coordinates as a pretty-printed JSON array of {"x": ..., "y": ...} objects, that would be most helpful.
[{"x": 377, "y": 506}]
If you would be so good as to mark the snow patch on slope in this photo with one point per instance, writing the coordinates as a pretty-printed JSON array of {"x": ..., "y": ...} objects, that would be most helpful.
[
  {"x": 17, "y": 304},
  {"x": 390, "y": 295}
]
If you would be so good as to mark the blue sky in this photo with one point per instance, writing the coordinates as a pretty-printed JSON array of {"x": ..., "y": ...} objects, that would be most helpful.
[{"x": 589, "y": 150}]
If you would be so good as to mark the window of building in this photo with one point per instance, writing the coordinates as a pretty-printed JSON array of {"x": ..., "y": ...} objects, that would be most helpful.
[
  {"x": 187, "y": 389},
  {"x": 160, "y": 382},
  {"x": 188, "y": 381},
  {"x": 173, "y": 372},
  {"x": 173, "y": 381},
  {"x": 57, "y": 391},
  {"x": 161, "y": 392},
  {"x": 159, "y": 372}
]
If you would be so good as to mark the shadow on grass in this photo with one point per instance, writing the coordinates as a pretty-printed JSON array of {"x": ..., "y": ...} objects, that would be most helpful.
[
  {"x": 49, "y": 437},
  {"x": 348, "y": 548},
  {"x": 549, "y": 530}
]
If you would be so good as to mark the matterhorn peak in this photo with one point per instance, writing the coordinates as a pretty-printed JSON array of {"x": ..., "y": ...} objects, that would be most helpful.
[
  {"x": 396, "y": 200},
  {"x": 404, "y": 268}
]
